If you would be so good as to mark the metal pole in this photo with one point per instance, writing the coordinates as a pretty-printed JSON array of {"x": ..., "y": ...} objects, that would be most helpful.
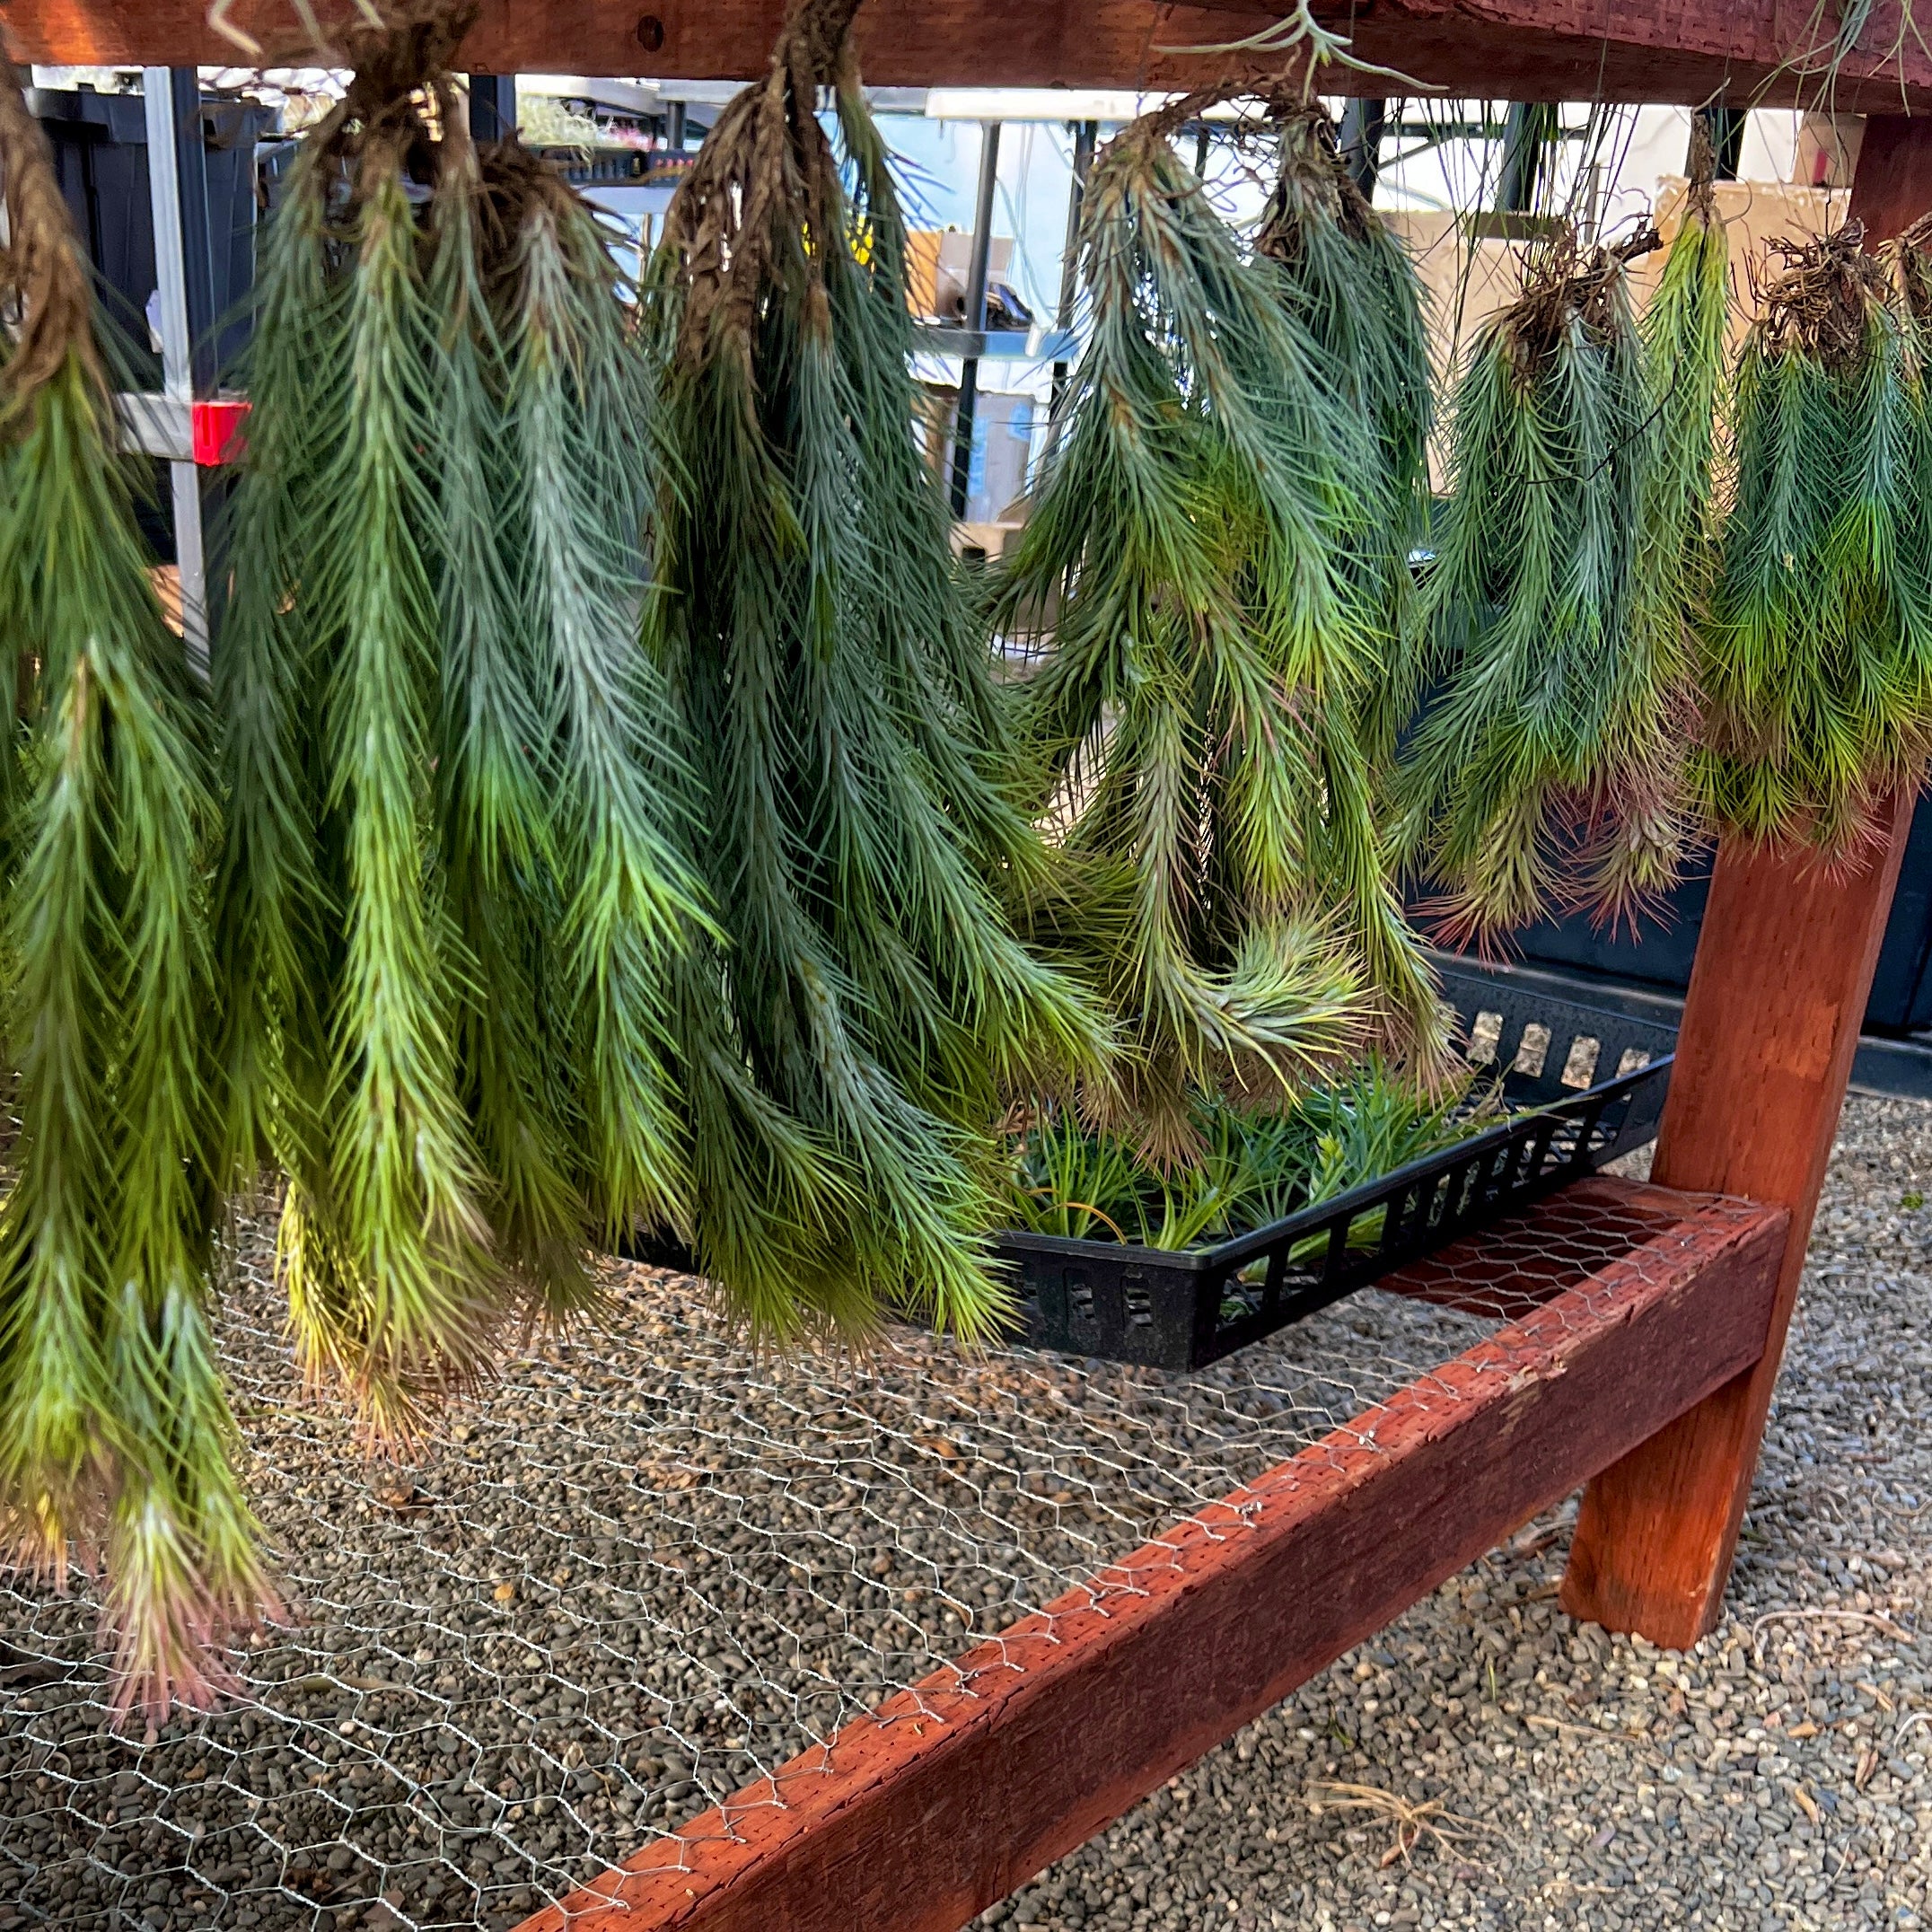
[
  {"x": 982, "y": 248},
  {"x": 1726, "y": 127},
  {"x": 178, "y": 193},
  {"x": 492, "y": 106},
  {"x": 1085, "y": 137},
  {"x": 1524, "y": 135},
  {"x": 1363, "y": 125}
]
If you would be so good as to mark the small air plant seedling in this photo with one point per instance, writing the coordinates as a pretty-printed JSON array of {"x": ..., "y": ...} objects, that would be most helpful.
[
  {"x": 1201, "y": 643},
  {"x": 1815, "y": 664},
  {"x": 1549, "y": 699},
  {"x": 1257, "y": 1164}
]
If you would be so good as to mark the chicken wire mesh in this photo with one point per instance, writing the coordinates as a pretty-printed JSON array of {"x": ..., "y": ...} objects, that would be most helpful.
[{"x": 645, "y": 1568}]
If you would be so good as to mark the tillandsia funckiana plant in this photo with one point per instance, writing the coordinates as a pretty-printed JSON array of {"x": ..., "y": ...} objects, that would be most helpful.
[
  {"x": 1816, "y": 660},
  {"x": 1353, "y": 285},
  {"x": 860, "y": 837},
  {"x": 116, "y": 1437},
  {"x": 1203, "y": 648},
  {"x": 1554, "y": 700},
  {"x": 477, "y": 1014},
  {"x": 1638, "y": 816},
  {"x": 344, "y": 931}
]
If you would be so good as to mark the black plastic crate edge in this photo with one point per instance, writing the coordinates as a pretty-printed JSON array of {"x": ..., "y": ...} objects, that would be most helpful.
[{"x": 1191, "y": 1283}]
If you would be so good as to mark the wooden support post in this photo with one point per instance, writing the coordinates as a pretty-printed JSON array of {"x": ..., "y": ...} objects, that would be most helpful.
[{"x": 1783, "y": 969}]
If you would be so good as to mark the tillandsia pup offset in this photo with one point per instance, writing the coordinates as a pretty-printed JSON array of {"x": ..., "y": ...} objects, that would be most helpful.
[
  {"x": 861, "y": 834},
  {"x": 1552, "y": 699},
  {"x": 116, "y": 1437},
  {"x": 1200, "y": 645},
  {"x": 1816, "y": 660}
]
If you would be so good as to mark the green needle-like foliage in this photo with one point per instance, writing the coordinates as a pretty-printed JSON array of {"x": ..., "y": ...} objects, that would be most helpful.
[
  {"x": 575, "y": 402},
  {"x": 494, "y": 779},
  {"x": 1256, "y": 1164},
  {"x": 1209, "y": 641},
  {"x": 858, "y": 838},
  {"x": 602, "y": 1021},
  {"x": 1815, "y": 671},
  {"x": 1531, "y": 596},
  {"x": 1354, "y": 287},
  {"x": 462, "y": 911},
  {"x": 352, "y": 969},
  {"x": 1638, "y": 815},
  {"x": 116, "y": 1435}
]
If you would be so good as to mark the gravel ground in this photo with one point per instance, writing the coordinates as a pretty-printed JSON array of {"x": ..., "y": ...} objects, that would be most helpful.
[
  {"x": 638, "y": 1573},
  {"x": 1488, "y": 1762},
  {"x": 642, "y": 1570}
]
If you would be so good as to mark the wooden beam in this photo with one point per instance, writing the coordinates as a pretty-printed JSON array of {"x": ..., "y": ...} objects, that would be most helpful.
[
  {"x": 1892, "y": 186},
  {"x": 1778, "y": 991},
  {"x": 955, "y": 1792},
  {"x": 1763, "y": 51},
  {"x": 1784, "y": 966}
]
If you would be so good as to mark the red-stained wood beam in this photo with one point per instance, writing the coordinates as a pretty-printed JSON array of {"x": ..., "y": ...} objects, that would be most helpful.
[
  {"x": 1763, "y": 51},
  {"x": 955, "y": 1792},
  {"x": 1784, "y": 967}
]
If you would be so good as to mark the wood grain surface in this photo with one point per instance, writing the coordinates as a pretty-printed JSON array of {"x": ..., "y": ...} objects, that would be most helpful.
[
  {"x": 1784, "y": 966},
  {"x": 1763, "y": 51}
]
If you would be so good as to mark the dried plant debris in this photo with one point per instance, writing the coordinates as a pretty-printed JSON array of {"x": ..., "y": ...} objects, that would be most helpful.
[
  {"x": 1814, "y": 665},
  {"x": 1200, "y": 648},
  {"x": 116, "y": 1437}
]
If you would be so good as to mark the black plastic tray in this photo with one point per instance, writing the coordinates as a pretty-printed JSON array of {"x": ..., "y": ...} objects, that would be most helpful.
[{"x": 1184, "y": 1309}]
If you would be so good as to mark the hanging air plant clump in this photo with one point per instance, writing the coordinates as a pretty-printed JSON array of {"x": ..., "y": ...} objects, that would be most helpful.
[
  {"x": 456, "y": 918},
  {"x": 116, "y": 1437},
  {"x": 1353, "y": 286},
  {"x": 1546, "y": 710},
  {"x": 345, "y": 951},
  {"x": 1204, "y": 647},
  {"x": 1639, "y": 813},
  {"x": 859, "y": 837},
  {"x": 1816, "y": 662}
]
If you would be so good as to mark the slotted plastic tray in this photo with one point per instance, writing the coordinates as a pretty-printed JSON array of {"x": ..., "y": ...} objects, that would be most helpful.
[{"x": 1184, "y": 1309}]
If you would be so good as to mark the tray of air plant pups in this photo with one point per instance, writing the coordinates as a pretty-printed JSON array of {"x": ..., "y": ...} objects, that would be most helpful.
[{"x": 1286, "y": 1211}]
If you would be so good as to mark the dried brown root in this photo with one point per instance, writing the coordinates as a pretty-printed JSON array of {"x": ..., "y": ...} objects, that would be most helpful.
[
  {"x": 1820, "y": 302},
  {"x": 1565, "y": 282},
  {"x": 43, "y": 276},
  {"x": 766, "y": 158}
]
